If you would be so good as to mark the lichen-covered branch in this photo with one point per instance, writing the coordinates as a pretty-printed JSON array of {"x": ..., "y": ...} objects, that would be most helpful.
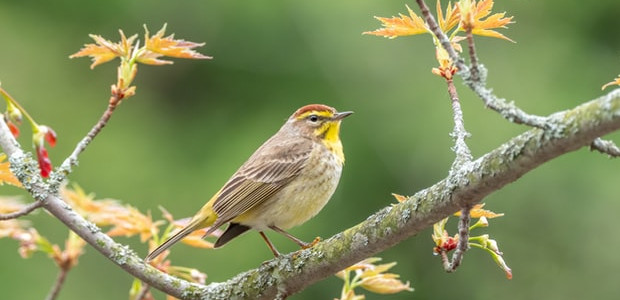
[
  {"x": 606, "y": 147},
  {"x": 26, "y": 170},
  {"x": 463, "y": 243},
  {"x": 459, "y": 133},
  {"x": 288, "y": 274}
]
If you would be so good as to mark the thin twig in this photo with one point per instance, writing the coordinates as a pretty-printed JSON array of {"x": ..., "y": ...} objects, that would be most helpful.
[
  {"x": 72, "y": 160},
  {"x": 60, "y": 279},
  {"x": 22, "y": 212},
  {"x": 507, "y": 109},
  {"x": 606, "y": 147},
  {"x": 473, "y": 58},
  {"x": 463, "y": 154},
  {"x": 463, "y": 243},
  {"x": 441, "y": 36}
]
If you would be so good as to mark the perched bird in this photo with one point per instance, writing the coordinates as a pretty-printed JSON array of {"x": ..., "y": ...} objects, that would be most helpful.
[{"x": 283, "y": 184}]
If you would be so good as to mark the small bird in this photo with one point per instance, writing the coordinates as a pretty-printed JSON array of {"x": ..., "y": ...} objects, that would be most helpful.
[{"x": 283, "y": 184}]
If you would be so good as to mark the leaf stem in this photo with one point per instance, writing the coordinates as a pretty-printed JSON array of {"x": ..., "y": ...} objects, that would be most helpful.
[{"x": 12, "y": 101}]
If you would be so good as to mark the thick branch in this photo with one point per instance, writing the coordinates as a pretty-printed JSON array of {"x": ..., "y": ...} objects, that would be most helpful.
[{"x": 288, "y": 274}]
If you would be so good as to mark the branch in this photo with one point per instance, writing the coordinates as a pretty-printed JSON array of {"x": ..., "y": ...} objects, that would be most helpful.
[
  {"x": 72, "y": 160},
  {"x": 463, "y": 243},
  {"x": 475, "y": 80},
  {"x": 26, "y": 170},
  {"x": 60, "y": 279},
  {"x": 606, "y": 147},
  {"x": 22, "y": 212},
  {"x": 459, "y": 134},
  {"x": 288, "y": 274},
  {"x": 473, "y": 58}
]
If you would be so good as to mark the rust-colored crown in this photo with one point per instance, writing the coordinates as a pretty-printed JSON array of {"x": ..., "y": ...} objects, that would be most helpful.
[{"x": 313, "y": 107}]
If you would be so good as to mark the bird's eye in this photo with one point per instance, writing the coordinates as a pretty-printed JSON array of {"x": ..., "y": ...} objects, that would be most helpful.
[{"x": 313, "y": 118}]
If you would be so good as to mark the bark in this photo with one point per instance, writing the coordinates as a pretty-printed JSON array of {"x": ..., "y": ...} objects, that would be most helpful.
[{"x": 467, "y": 185}]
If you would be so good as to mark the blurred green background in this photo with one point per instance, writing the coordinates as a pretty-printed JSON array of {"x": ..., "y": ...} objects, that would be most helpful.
[{"x": 192, "y": 124}]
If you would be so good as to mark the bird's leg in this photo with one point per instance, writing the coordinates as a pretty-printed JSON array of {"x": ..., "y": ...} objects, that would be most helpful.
[
  {"x": 269, "y": 244},
  {"x": 297, "y": 241}
]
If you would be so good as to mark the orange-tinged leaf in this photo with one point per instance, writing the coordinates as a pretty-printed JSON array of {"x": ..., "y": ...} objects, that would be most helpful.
[
  {"x": 385, "y": 284},
  {"x": 124, "y": 219},
  {"x": 399, "y": 198},
  {"x": 10, "y": 204},
  {"x": 377, "y": 269},
  {"x": 477, "y": 211},
  {"x": 495, "y": 21},
  {"x": 400, "y": 26},
  {"x": 190, "y": 274},
  {"x": 158, "y": 45},
  {"x": 472, "y": 13},
  {"x": 616, "y": 82},
  {"x": 6, "y": 176},
  {"x": 13, "y": 228},
  {"x": 350, "y": 295},
  {"x": 453, "y": 16},
  {"x": 101, "y": 52},
  {"x": 126, "y": 44}
]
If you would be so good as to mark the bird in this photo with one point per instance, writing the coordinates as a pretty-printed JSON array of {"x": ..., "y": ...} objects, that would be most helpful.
[{"x": 284, "y": 183}]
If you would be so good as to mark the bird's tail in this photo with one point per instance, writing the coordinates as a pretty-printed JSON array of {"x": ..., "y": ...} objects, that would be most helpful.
[{"x": 199, "y": 221}]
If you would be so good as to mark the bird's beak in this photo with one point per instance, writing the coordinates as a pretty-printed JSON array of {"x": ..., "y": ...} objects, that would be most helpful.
[{"x": 342, "y": 115}]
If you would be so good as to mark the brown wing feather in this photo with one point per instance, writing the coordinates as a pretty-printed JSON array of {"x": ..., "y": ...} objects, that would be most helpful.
[{"x": 267, "y": 171}]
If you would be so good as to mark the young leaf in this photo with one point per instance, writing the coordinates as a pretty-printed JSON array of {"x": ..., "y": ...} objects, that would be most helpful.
[
  {"x": 453, "y": 16},
  {"x": 6, "y": 176},
  {"x": 101, "y": 52},
  {"x": 400, "y": 26},
  {"x": 477, "y": 212},
  {"x": 158, "y": 45},
  {"x": 472, "y": 14}
]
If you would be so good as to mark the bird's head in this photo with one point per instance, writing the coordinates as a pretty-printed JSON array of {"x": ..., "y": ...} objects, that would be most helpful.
[{"x": 318, "y": 121}]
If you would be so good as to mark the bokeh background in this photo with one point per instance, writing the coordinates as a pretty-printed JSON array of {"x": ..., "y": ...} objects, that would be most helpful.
[{"x": 192, "y": 124}]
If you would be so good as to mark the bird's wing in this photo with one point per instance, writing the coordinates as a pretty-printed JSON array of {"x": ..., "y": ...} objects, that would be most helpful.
[{"x": 271, "y": 168}]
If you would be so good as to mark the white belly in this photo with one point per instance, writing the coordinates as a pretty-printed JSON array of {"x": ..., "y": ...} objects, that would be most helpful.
[{"x": 301, "y": 199}]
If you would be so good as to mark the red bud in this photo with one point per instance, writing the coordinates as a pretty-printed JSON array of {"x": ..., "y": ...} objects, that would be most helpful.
[
  {"x": 50, "y": 136},
  {"x": 13, "y": 128},
  {"x": 44, "y": 161}
]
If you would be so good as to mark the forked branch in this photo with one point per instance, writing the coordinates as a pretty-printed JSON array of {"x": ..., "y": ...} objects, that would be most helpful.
[
  {"x": 475, "y": 82},
  {"x": 288, "y": 274}
]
